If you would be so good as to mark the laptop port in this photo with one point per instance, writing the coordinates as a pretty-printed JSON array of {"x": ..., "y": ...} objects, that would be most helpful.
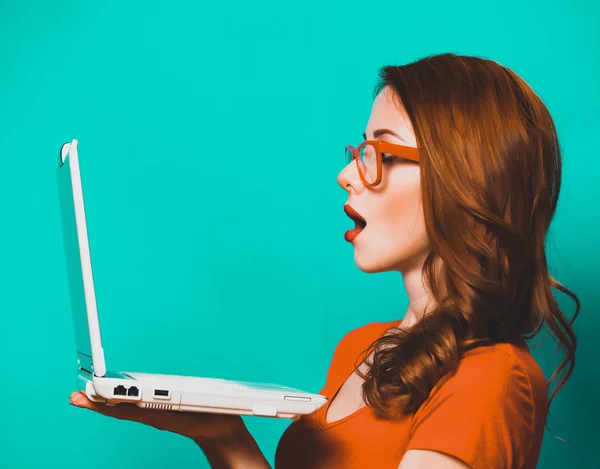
[
  {"x": 161, "y": 393},
  {"x": 120, "y": 390},
  {"x": 133, "y": 391}
]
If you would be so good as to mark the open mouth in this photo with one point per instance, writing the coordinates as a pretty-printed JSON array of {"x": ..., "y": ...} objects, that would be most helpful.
[{"x": 359, "y": 221}]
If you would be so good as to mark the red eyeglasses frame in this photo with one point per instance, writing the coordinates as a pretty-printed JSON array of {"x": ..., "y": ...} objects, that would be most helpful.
[{"x": 403, "y": 151}]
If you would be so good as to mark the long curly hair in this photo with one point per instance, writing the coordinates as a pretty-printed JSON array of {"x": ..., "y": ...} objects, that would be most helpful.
[{"x": 490, "y": 167}]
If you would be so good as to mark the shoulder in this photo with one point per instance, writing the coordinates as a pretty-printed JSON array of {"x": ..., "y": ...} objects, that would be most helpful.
[
  {"x": 499, "y": 371},
  {"x": 362, "y": 336},
  {"x": 352, "y": 344},
  {"x": 504, "y": 374},
  {"x": 492, "y": 408}
]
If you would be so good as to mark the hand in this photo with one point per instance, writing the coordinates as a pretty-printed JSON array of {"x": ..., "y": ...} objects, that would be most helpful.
[{"x": 195, "y": 425}]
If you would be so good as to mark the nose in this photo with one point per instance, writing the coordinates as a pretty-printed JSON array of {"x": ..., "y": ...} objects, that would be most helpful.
[{"x": 349, "y": 179}]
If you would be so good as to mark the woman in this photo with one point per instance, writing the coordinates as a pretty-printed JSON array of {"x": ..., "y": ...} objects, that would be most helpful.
[{"x": 455, "y": 187}]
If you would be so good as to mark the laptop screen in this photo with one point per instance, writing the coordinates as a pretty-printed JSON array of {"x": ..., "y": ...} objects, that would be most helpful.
[{"x": 73, "y": 265}]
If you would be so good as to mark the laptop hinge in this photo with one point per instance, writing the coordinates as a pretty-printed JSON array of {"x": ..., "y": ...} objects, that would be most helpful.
[{"x": 85, "y": 364}]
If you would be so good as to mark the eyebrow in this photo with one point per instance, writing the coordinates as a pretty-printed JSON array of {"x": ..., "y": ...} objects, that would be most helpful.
[{"x": 380, "y": 132}]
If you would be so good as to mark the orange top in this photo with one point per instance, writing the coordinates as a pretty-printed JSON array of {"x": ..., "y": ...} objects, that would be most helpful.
[{"x": 490, "y": 414}]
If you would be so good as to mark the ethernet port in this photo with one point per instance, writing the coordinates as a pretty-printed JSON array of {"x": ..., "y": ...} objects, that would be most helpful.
[
  {"x": 120, "y": 390},
  {"x": 133, "y": 391}
]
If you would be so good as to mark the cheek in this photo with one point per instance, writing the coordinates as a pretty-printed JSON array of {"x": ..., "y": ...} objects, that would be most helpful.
[
  {"x": 395, "y": 235},
  {"x": 401, "y": 213}
]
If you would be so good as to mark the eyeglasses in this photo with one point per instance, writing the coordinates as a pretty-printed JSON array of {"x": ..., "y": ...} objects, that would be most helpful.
[{"x": 372, "y": 153}]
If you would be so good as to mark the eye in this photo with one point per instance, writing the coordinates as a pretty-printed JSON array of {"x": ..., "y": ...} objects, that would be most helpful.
[{"x": 388, "y": 158}]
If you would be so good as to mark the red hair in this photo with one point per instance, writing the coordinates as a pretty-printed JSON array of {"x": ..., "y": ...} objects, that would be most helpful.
[{"x": 490, "y": 166}]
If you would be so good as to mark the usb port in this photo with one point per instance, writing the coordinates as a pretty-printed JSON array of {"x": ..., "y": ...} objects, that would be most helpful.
[
  {"x": 161, "y": 393},
  {"x": 297, "y": 398}
]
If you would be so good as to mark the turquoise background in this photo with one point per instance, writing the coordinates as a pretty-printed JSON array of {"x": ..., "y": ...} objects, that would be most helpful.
[{"x": 210, "y": 137}]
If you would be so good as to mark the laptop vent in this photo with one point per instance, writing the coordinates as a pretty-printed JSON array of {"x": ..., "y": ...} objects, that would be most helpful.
[{"x": 158, "y": 406}]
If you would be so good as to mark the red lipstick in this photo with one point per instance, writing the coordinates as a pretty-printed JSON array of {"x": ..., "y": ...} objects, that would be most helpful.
[{"x": 360, "y": 223}]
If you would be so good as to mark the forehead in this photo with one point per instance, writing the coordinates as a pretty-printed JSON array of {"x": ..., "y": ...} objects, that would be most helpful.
[{"x": 387, "y": 112}]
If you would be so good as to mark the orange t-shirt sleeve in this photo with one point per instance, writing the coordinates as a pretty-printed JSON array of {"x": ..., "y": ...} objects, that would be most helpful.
[{"x": 482, "y": 415}]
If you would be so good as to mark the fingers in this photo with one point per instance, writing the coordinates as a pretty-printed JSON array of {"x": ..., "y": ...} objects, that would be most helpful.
[
  {"x": 79, "y": 399},
  {"x": 120, "y": 411}
]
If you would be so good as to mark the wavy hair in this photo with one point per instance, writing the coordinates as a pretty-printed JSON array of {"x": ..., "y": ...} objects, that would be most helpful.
[{"x": 490, "y": 166}]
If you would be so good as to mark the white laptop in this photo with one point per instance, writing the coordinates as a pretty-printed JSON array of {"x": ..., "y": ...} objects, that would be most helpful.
[{"x": 150, "y": 391}]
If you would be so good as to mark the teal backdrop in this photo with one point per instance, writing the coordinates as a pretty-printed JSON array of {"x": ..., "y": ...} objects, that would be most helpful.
[{"x": 211, "y": 135}]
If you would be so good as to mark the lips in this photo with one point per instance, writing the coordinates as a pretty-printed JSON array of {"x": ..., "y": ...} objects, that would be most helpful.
[{"x": 360, "y": 221}]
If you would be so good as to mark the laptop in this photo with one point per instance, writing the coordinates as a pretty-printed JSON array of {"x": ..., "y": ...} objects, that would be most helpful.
[{"x": 148, "y": 390}]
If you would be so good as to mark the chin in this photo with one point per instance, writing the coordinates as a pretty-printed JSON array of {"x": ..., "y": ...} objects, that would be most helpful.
[
  {"x": 394, "y": 258},
  {"x": 373, "y": 265}
]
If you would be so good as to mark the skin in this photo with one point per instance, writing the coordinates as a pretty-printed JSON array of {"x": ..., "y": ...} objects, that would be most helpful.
[{"x": 394, "y": 239}]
